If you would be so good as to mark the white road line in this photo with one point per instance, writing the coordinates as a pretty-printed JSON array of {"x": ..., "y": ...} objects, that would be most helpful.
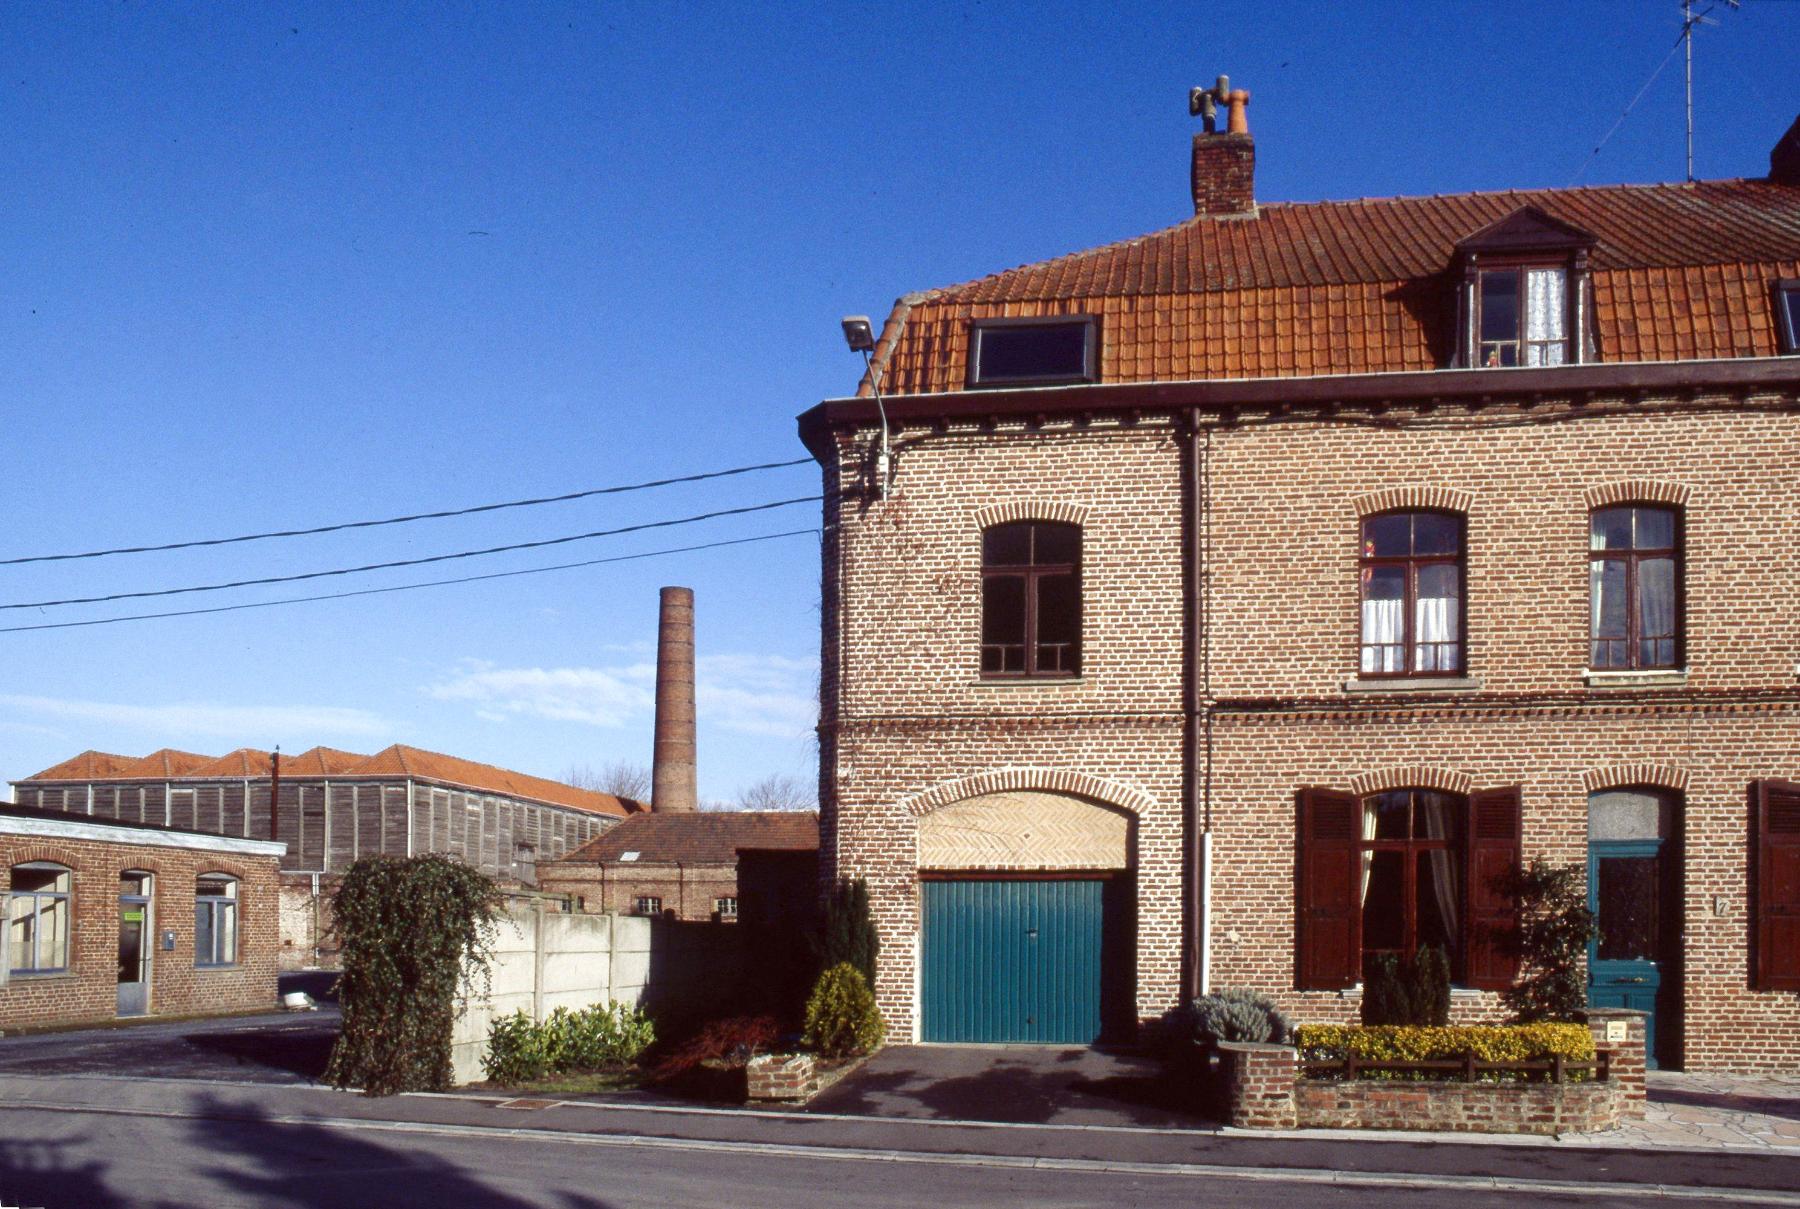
[{"x": 1302, "y": 1175}]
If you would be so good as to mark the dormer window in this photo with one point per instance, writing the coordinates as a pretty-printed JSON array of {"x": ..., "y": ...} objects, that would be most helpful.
[
  {"x": 1525, "y": 291},
  {"x": 1522, "y": 317},
  {"x": 1787, "y": 314},
  {"x": 1033, "y": 352}
]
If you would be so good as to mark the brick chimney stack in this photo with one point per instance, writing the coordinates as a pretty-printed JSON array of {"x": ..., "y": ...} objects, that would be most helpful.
[
  {"x": 1224, "y": 176},
  {"x": 1784, "y": 160},
  {"x": 673, "y": 787}
]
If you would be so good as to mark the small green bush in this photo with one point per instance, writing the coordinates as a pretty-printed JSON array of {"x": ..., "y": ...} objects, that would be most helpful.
[
  {"x": 1239, "y": 1014},
  {"x": 594, "y": 1038},
  {"x": 1487, "y": 1042},
  {"x": 1555, "y": 926},
  {"x": 1414, "y": 991},
  {"x": 841, "y": 1017}
]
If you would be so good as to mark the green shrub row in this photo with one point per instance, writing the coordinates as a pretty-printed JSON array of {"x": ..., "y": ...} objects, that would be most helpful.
[
  {"x": 1406, "y": 1043},
  {"x": 594, "y": 1038}
]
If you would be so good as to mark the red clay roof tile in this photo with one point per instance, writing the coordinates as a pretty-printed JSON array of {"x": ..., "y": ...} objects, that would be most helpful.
[
  {"x": 703, "y": 837},
  {"x": 1304, "y": 289}
]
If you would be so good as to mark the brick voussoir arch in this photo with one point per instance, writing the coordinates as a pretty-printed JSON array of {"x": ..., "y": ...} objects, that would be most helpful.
[
  {"x": 1637, "y": 491},
  {"x": 1412, "y": 776},
  {"x": 1413, "y": 499},
  {"x": 1625, "y": 776},
  {"x": 1031, "y": 510},
  {"x": 1051, "y": 780}
]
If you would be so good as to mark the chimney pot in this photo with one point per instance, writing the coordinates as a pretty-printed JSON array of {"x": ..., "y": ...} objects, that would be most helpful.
[
  {"x": 1784, "y": 159},
  {"x": 673, "y": 785}
]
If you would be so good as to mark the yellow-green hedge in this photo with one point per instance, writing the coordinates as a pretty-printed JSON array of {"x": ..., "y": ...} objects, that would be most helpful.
[{"x": 1417, "y": 1043}]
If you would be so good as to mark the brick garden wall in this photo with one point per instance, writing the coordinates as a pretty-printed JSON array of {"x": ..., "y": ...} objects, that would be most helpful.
[{"x": 87, "y": 991}]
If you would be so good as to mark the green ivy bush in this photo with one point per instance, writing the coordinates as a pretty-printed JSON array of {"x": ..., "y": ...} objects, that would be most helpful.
[
  {"x": 847, "y": 930},
  {"x": 1407, "y": 1043},
  {"x": 417, "y": 936},
  {"x": 1555, "y": 926},
  {"x": 841, "y": 1017},
  {"x": 600, "y": 1037}
]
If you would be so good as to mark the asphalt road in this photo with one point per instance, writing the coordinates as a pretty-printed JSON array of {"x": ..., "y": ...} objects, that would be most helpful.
[{"x": 87, "y": 1159}]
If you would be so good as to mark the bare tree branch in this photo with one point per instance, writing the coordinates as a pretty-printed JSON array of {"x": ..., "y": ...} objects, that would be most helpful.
[
  {"x": 776, "y": 792},
  {"x": 621, "y": 778}
]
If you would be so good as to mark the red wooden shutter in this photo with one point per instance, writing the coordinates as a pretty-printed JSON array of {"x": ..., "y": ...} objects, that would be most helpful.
[
  {"x": 1776, "y": 912},
  {"x": 1491, "y": 932},
  {"x": 1328, "y": 917}
]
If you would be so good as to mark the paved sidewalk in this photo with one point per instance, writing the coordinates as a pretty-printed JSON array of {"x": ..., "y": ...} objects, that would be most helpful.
[{"x": 1694, "y": 1110}]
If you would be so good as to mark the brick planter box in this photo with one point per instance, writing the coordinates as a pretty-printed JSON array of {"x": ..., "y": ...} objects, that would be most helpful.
[
  {"x": 1264, "y": 1090},
  {"x": 780, "y": 1077}
]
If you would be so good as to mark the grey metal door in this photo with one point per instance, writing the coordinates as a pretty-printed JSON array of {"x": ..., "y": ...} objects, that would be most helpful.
[{"x": 134, "y": 944}]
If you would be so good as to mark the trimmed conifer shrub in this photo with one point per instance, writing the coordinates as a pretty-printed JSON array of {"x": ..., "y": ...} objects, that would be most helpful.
[
  {"x": 847, "y": 930},
  {"x": 841, "y": 1016}
]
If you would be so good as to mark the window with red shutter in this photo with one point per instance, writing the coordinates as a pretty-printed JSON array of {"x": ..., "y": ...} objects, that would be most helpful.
[
  {"x": 1775, "y": 915},
  {"x": 1328, "y": 880},
  {"x": 1493, "y": 862}
]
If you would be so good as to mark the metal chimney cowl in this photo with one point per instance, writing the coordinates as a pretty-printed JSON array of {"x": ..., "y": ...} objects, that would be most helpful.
[{"x": 673, "y": 784}]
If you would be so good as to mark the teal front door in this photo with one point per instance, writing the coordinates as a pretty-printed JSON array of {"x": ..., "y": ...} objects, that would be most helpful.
[
  {"x": 1628, "y": 893},
  {"x": 1020, "y": 960}
]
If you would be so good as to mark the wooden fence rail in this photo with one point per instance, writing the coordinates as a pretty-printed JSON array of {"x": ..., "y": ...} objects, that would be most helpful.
[{"x": 1555, "y": 1069}]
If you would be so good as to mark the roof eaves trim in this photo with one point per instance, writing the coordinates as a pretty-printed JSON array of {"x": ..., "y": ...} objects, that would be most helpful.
[{"x": 79, "y": 829}]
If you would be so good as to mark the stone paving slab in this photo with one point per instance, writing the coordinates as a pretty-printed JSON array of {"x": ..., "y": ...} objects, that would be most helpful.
[{"x": 1714, "y": 1111}]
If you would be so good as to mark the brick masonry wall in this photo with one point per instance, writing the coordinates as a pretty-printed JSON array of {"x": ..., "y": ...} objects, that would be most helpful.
[
  {"x": 905, "y": 712},
  {"x": 87, "y": 991},
  {"x": 688, "y": 891},
  {"x": 1537, "y": 1108}
]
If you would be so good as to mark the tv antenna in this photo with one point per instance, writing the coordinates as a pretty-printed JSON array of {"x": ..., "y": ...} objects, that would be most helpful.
[{"x": 1683, "y": 42}]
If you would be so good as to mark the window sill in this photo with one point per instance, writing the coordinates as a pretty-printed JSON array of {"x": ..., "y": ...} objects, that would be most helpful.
[
  {"x": 1413, "y": 684},
  {"x": 216, "y": 968},
  {"x": 1024, "y": 681},
  {"x": 1456, "y": 992},
  {"x": 1673, "y": 677},
  {"x": 38, "y": 975}
]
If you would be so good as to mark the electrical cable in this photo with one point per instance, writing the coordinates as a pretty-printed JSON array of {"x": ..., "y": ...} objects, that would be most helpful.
[
  {"x": 433, "y": 583},
  {"x": 416, "y": 562},
  {"x": 1686, "y": 32},
  {"x": 401, "y": 520}
]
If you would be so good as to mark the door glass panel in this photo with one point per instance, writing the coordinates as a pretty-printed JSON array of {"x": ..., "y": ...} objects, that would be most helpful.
[
  {"x": 1384, "y": 902},
  {"x": 1628, "y": 907},
  {"x": 131, "y": 941}
]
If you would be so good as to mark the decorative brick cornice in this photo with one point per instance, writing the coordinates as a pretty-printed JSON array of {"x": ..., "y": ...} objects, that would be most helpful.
[
  {"x": 1623, "y": 776},
  {"x": 1048, "y": 780},
  {"x": 1635, "y": 491},
  {"x": 1031, "y": 510},
  {"x": 1411, "y": 776},
  {"x": 1440, "y": 499}
]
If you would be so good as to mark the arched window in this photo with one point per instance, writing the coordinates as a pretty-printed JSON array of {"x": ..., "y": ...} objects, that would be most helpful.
[
  {"x": 1634, "y": 585},
  {"x": 38, "y": 923},
  {"x": 1412, "y": 594},
  {"x": 1031, "y": 599},
  {"x": 216, "y": 920}
]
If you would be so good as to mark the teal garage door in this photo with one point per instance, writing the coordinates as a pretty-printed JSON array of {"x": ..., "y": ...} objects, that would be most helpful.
[{"x": 1015, "y": 960}]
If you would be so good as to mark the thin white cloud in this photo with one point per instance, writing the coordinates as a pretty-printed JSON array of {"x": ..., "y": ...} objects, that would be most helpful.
[
  {"x": 768, "y": 695},
  {"x": 171, "y": 721}
]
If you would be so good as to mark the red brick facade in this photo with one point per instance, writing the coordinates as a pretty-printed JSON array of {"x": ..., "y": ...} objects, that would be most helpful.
[
  {"x": 690, "y": 892},
  {"x": 86, "y": 991}
]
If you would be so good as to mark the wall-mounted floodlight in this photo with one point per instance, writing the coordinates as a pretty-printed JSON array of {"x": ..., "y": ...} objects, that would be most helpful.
[{"x": 859, "y": 334}]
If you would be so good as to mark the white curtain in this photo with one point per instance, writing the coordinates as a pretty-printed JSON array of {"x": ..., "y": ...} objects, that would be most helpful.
[
  {"x": 1545, "y": 302},
  {"x": 1443, "y": 870},
  {"x": 1368, "y": 856},
  {"x": 1384, "y": 635},
  {"x": 1436, "y": 622}
]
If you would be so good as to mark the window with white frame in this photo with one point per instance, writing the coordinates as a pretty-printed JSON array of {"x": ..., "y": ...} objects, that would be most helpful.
[
  {"x": 216, "y": 920},
  {"x": 38, "y": 923},
  {"x": 725, "y": 908},
  {"x": 648, "y": 904}
]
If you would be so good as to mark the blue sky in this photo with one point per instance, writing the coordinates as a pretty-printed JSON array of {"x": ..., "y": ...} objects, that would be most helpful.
[{"x": 274, "y": 267}]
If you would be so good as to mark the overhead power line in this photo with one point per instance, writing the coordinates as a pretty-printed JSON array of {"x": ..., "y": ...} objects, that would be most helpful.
[
  {"x": 432, "y": 583},
  {"x": 402, "y": 520},
  {"x": 418, "y": 562}
]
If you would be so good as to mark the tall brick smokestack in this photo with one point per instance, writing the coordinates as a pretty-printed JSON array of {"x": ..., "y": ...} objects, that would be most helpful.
[{"x": 672, "y": 783}]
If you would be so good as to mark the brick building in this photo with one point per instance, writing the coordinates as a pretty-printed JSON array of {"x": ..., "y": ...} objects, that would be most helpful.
[
  {"x": 107, "y": 919},
  {"x": 1240, "y": 603},
  {"x": 685, "y": 865},
  {"x": 334, "y": 807}
]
